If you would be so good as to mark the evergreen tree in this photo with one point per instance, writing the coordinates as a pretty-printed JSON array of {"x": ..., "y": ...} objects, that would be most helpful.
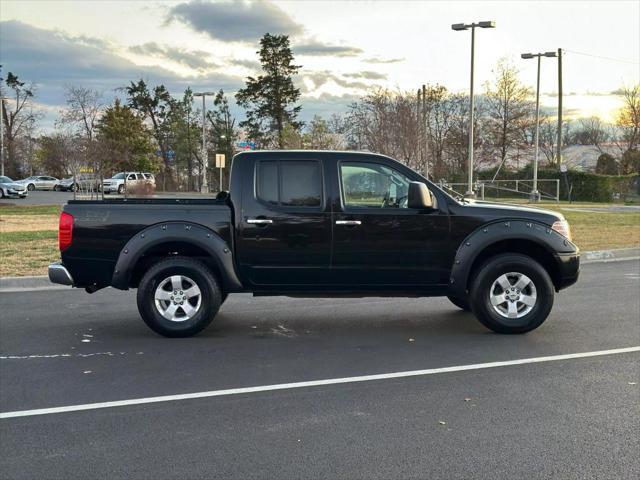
[{"x": 270, "y": 98}]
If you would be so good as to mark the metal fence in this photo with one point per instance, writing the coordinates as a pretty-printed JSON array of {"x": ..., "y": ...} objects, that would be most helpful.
[{"x": 508, "y": 189}]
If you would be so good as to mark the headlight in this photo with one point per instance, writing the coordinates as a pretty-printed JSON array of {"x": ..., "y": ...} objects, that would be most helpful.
[{"x": 562, "y": 227}]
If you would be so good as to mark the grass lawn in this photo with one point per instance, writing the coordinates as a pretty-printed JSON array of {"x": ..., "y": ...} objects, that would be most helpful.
[
  {"x": 601, "y": 231},
  {"x": 27, "y": 253},
  {"x": 29, "y": 237}
]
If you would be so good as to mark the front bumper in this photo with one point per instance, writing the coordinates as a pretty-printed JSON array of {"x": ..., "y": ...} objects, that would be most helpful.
[
  {"x": 17, "y": 193},
  {"x": 59, "y": 274},
  {"x": 568, "y": 269}
]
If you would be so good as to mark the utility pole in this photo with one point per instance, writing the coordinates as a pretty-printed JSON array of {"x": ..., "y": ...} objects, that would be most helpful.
[
  {"x": 426, "y": 131},
  {"x": 559, "y": 139},
  {"x": 458, "y": 27},
  {"x": 205, "y": 157},
  {"x": 535, "y": 194},
  {"x": 419, "y": 120}
]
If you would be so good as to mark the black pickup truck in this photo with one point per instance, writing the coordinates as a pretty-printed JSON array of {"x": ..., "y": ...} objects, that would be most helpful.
[{"x": 318, "y": 224}]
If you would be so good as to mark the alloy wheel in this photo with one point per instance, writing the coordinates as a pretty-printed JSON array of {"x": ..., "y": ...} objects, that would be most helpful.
[
  {"x": 178, "y": 298},
  {"x": 513, "y": 295}
]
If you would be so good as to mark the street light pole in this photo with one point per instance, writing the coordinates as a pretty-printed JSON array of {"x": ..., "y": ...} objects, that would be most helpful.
[
  {"x": 472, "y": 109},
  {"x": 535, "y": 194},
  {"x": 205, "y": 157},
  {"x": 466, "y": 26}
]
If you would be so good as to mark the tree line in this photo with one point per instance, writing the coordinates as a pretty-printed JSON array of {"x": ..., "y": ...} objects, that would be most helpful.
[{"x": 147, "y": 128}]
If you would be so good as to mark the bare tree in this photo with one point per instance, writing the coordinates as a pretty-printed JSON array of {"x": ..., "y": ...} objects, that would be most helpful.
[
  {"x": 84, "y": 107},
  {"x": 18, "y": 117},
  {"x": 590, "y": 131},
  {"x": 509, "y": 108},
  {"x": 385, "y": 122},
  {"x": 628, "y": 119},
  {"x": 438, "y": 118},
  {"x": 457, "y": 140},
  {"x": 318, "y": 136}
]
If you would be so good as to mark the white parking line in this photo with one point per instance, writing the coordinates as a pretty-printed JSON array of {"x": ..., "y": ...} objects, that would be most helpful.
[{"x": 312, "y": 383}]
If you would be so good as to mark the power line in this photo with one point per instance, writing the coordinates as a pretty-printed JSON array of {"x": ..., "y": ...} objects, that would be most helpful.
[{"x": 603, "y": 57}]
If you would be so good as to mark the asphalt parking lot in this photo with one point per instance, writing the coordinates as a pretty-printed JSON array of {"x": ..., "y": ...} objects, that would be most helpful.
[{"x": 556, "y": 418}]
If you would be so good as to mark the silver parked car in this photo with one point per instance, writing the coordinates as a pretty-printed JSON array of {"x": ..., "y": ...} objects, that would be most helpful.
[
  {"x": 9, "y": 188},
  {"x": 40, "y": 182},
  {"x": 83, "y": 181}
]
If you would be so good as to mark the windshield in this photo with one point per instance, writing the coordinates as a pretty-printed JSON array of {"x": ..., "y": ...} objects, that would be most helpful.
[
  {"x": 5, "y": 180},
  {"x": 119, "y": 176}
]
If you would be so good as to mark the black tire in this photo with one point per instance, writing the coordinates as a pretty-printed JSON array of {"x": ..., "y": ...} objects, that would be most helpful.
[
  {"x": 75, "y": 187},
  {"x": 483, "y": 283},
  {"x": 223, "y": 298},
  {"x": 120, "y": 189},
  {"x": 462, "y": 304},
  {"x": 2, "y": 193},
  {"x": 31, "y": 187},
  {"x": 197, "y": 272}
]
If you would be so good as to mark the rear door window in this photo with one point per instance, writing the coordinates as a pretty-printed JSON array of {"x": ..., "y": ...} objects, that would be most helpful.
[
  {"x": 267, "y": 190},
  {"x": 290, "y": 183}
]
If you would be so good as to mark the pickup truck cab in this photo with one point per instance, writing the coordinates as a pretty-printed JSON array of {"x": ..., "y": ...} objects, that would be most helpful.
[{"x": 318, "y": 224}]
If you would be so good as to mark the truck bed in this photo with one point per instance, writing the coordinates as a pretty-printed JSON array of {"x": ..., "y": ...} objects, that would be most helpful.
[{"x": 103, "y": 227}]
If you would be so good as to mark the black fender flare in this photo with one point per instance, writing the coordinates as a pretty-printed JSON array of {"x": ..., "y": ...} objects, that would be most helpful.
[
  {"x": 200, "y": 236},
  {"x": 494, "y": 232}
]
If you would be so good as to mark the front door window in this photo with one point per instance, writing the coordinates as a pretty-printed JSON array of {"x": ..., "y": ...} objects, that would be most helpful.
[{"x": 372, "y": 185}]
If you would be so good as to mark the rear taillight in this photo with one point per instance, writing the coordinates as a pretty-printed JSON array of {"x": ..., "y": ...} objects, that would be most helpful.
[{"x": 65, "y": 230}]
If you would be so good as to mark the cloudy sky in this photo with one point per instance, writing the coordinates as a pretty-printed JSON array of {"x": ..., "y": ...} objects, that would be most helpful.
[{"x": 344, "y": 47}]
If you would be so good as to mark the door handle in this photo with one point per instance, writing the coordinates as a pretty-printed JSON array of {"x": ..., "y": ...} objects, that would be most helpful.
[
  {"x": 348, "y": 222},
  {"x": 259, "y": 221}
]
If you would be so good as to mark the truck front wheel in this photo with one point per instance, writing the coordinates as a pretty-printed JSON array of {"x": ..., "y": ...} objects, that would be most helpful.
[
  {"x": 512, "y": 293},
  {"x": 178, "y": 297}
]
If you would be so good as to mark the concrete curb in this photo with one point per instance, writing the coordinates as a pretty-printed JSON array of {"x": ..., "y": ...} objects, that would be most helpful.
[
  {"x": 604, "y": 256},
  {"x": 25, "y": 284},
  {"x": 22, "y": 284}
]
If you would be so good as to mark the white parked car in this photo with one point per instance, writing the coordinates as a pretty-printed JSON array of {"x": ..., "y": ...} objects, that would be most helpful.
[
  {"x": 39, "y": 182},
  {"x": 9, "y": 188},
  {"x": 135, "y": 181}
]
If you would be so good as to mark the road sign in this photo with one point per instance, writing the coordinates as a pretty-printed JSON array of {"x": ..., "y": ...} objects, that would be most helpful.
[
  {"x": 246, "y": 145},
  {"x": 220, "y": 160}
]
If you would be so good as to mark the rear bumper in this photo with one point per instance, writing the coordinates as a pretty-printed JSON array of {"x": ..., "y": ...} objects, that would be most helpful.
[
  {"x": 568, "y": 269},
  {"x": 59, "y": 274}
]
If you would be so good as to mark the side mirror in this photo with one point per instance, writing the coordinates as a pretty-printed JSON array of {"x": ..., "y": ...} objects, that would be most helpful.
[{"x": 419, "y": 196}]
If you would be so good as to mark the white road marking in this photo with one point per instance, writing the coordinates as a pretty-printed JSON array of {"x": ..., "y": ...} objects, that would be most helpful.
[
  {"x": 59, "y": 355},
  {"x": 312, "y": 383}
]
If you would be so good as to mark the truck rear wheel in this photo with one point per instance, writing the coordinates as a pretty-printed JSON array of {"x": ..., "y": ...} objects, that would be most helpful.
[
  {"x": 178, "y": 297},
  {"x": 512, "y": 293}
]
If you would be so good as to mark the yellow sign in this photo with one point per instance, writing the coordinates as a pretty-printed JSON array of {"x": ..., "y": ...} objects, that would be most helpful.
[{"x": 220, "y": 160}]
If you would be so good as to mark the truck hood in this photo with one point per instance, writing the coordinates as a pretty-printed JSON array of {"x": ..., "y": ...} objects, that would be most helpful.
[{"x": 505, "y": 210}]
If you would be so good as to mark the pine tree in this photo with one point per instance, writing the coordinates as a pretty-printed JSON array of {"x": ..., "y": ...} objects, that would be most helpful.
[{"x": 270, "y": 98}]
